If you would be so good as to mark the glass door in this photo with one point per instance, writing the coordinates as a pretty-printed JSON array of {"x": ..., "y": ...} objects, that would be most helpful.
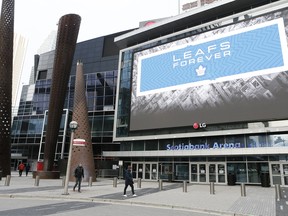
[
  {"x": 285, "y": 173},
  {"x": 217, "y": 172},
  {"x": 276, "y": 173},
  {"x": 140, "y": 171},
  {"x": 279, "y": 173},
  {"x": 134, "y": 170},
  {"x": 147, "y": 171},
  {"x": 154, "y": 171},
  {"x": 194, "y": 173},
  {"x": 202, "y": 173},
  {"x": 208, "y": 172},
  {"x": 221, "y": 171},
  {"x": 212, "y": 172},
  {"x": 151, "y": 172},
  {"x": 137, "y": 170}
]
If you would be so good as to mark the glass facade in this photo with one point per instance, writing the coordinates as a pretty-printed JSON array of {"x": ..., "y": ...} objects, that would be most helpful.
[
  {"x": 205, "y": 129},
  {"x": 173, "y": 153},
  {"x": 100, "y": 60},
  {"x": 214, "y": 142}
]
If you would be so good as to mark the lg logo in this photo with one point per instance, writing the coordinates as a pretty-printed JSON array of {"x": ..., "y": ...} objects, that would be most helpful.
[{"x": 199, "y": 125}]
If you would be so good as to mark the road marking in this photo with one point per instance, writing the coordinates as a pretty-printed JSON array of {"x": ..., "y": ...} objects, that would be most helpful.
[{"x": 281, "y": 207}]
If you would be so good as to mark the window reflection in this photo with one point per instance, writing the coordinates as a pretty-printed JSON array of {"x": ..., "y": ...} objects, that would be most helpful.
[
  {"x": 255, "y": 141},
  {"x": 278, "y": 140}
]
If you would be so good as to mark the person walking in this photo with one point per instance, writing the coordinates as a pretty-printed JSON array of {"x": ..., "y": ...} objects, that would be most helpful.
[
  {"x": 21, "y": 167},
  {"x": 79, "y": 174},
  {"x": 27, "y": 168},
  {"x": 129, "y": 182}
]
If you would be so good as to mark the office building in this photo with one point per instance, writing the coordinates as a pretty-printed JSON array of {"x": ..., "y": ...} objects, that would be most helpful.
[
  {"x": 19, "y": 53},
  {"x": 100, "y": 64}
]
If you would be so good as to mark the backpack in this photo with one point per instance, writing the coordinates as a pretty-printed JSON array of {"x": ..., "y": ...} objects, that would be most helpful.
[{"x": 21, "y": 167}]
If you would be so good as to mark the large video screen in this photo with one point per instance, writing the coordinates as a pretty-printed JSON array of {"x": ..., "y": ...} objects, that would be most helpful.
[{"x": 235, "y": 73}]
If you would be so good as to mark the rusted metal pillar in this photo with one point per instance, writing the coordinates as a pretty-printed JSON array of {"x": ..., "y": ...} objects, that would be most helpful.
[
  {"x": 68, "y": 28},
  {"x": 82, "y": 154},
  {"x": 6, "y": 69}
]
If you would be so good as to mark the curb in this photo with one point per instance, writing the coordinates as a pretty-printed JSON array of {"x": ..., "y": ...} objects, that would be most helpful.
[{"x": 122, "y": 202}]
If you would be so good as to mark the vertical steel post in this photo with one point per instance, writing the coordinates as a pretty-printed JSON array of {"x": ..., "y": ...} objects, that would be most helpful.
[
  {"x": 160, "y": 184},
  {"x": 63, "y": 181},
  {"x": 185, "y": 186},
  {"x": 278, "y": 192},
  {"x": 7, "y": 181},
  {"x": 212, "y": 188},
  {"x": 243, "y": 190},
  {"x": 115, "y": 182},
  {"x": 75, "y": 124},
  {"x": 37, "y": 179},
  {"x": 139, "y": 182}
]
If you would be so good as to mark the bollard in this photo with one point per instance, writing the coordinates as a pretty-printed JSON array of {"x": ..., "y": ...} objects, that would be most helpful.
[
  {"x": 7, "y": 181},
  {"x": 243, "y": 190},
  {"x": 90, "y": 181},
  {"x": 278, "y": 192},
  {"x": 185, "y": 186},
  {"x": 139, "y": 183},
  {"x": 212, "y": 188},
  {"x": 115, "y": 182},
  {"x": 37, "y": 179},
  {"x": 160, "y": 184},
  {"x": 63, "y": 181}
]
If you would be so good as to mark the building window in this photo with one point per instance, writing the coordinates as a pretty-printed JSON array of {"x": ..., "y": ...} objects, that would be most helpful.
[
  {"x": 42, "y": 75},
  {"x": 151, "y": 145}
]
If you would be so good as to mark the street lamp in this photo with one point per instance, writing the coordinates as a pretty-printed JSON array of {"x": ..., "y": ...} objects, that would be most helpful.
[{"x": 73, "y": 126}]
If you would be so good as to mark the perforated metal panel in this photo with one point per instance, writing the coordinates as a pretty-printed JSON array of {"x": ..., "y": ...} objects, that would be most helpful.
[
  {"x": 68, "y": 28},
  {"x": 82, "y": 154},
  {"x": 6, "y": 62}
]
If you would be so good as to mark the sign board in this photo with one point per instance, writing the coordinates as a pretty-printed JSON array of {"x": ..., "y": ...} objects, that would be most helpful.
[{"x": 79, "y": 142}]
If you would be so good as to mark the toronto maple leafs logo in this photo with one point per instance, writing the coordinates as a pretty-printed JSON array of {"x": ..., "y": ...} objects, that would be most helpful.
[{"x": 200, "y": 70}]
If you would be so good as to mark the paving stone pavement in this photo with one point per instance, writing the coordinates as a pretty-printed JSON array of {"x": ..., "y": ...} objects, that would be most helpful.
[{"x": 227, "y": 200}]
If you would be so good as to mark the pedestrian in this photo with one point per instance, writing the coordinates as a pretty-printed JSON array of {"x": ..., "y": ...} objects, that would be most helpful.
[
  {"x": 27, "y": 168},
  {"x": 79, "y": 174},
  {"x": 129, "y": 181},
  {"x": 21, "y": 167}
]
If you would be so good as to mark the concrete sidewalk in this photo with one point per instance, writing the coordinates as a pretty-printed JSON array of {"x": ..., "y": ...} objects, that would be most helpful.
[{"x": 227, "y": 200}]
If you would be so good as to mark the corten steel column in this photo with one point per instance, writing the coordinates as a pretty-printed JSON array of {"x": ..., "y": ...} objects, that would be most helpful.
[
  {"x": 6, "y": 62},
  {"x": 68, "y": 28},
  {"x": 82, "y": 154}
]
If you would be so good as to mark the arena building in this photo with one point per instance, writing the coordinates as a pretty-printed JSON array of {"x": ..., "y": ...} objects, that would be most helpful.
[{"x": 202, "y": 96}]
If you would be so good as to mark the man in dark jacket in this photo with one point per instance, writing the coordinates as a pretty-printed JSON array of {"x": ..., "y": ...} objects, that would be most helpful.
[
  {"x": 79, "y": 174},
  {"x": 129, "y": 181}
]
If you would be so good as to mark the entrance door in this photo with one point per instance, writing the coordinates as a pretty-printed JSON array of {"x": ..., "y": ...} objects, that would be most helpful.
[
  {"x": 146, "y": 171},
  {"x": 208, "y": 172},
  {"x": 150, "y": 172},
  {"x": 279, "y": 172},
  {"x": 221, "y": 173},
  {"x": 202, "y": 172}
]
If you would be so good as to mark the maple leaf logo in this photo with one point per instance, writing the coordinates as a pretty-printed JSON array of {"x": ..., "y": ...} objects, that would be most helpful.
[{"x": 200, "y": 70}]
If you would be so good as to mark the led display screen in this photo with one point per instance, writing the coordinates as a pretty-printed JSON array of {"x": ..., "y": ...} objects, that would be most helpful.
[{"x": 235, "y": 73}]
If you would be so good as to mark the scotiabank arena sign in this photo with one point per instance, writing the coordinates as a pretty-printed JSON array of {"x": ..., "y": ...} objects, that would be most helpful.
[{"x": 190, "y": 146}]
